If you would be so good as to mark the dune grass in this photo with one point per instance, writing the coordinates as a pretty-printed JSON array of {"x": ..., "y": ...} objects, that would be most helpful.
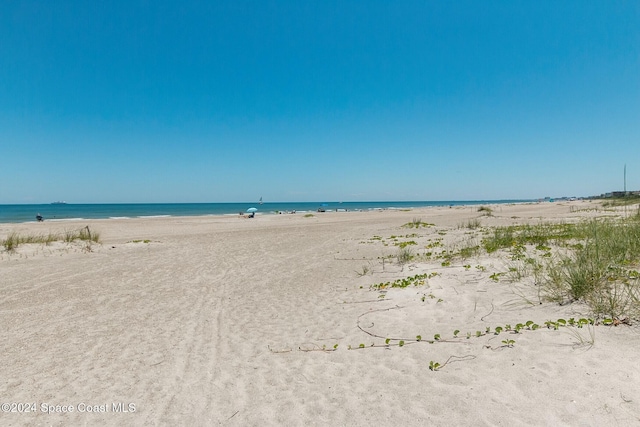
[
  {"x": 405, "y": 255},
  {"x": 602, "y": 271},
  {"x": 630, "y": 199},
  {"x": 417, "y": 223},
  {"x": 599, "y": 263},
  {"x": 14, "y": 240},
  {"x": 473, "y": 224},
  {"x": 486, "y": 210},
  {"x": 85, "y": 234},
  {"x": 541, "y": 234}
]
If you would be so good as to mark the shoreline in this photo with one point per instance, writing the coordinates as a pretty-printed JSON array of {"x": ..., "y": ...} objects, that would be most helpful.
[
  {"x": 242, "y": 215},
  {"x": 27, "y": 213}
]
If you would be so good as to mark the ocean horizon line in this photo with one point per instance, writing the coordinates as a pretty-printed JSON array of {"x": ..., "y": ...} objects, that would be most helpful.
[{"x": 269, "y": 202}]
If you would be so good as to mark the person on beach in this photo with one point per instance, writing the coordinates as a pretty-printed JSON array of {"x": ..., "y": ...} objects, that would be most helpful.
[{"x": 39, "y": 217}]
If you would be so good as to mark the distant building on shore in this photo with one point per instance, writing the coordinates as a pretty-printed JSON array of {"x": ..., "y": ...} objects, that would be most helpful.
[{"x": 616, "y": 194}]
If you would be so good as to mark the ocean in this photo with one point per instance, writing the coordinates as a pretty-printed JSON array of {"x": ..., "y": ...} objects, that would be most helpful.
[{"x": 61, "y": 212}]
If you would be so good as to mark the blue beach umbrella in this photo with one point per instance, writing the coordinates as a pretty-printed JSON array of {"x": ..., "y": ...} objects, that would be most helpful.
[{"x": 251, "y": 210}]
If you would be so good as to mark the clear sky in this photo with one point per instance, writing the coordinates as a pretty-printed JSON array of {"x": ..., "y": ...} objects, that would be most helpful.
[{"x": 189, "y": 101}]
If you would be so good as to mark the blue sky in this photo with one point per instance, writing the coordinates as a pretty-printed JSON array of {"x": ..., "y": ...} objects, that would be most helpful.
[{"x": 155, "y": 101}]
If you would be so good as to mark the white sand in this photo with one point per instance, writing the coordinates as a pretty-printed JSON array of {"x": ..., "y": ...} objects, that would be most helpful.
[{"x": 204, "y": 325}]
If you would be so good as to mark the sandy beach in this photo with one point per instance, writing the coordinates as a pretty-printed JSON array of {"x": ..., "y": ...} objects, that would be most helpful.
[{"x": 200, "y": 321}]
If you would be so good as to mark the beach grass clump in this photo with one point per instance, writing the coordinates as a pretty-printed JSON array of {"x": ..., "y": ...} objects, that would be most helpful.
[
  {"x": 366, "y": 269},
  {"x": 15, "y": 239},
  {"x": 468, "y": 251},
  {"x": 473, "y": 224},
  {"x": 521, "y": 268},
  {"x": 540, "y": 235},
  {"x": 417, "y": 223},
  {"x": 84, "y": 234},
  {"x": 405, "y": 255},
  {"x": 465, "y": 249},
  {"x": 502, "y": 237},
  {"x": 11, "y": 242},
  {"x": 597, "y": 265},
  {"x": 486, "y": 210},
  {"x": 88, "y": 235},
  {"x": 602, "y": 270}
]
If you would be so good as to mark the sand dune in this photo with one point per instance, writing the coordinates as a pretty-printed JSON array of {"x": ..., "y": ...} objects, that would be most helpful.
[{"x": 223, "y": 321}]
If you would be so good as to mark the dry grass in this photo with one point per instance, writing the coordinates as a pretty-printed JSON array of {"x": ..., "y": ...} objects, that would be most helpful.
[{"x": 83, "y": 234}]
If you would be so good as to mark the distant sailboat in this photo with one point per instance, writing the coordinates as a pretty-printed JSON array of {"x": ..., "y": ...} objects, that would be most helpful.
[{"x": 260, "y": 200}]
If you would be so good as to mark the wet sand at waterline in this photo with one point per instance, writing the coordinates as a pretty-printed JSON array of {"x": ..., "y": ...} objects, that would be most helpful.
[{"x": 234, "y": 321}]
